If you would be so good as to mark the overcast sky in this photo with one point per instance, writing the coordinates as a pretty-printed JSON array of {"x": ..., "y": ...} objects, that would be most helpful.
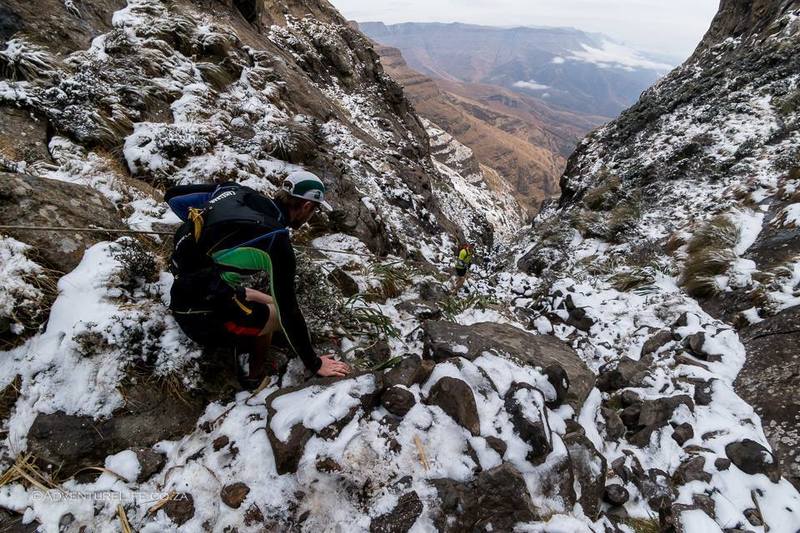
[{"x": 673, "y": 27}]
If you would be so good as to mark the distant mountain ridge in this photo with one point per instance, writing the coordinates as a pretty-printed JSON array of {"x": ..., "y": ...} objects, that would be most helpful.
[
  {"x": 579, "y": 71},
  {"x": 521, "y": 138}
]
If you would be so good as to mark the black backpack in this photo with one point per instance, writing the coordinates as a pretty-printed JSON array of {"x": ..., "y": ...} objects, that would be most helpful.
[{"x": 209, "y": 225}]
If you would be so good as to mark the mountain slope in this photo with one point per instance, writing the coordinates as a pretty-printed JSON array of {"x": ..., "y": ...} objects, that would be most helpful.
[
  {"x": 526, "y": 142},
  {"x": 578, "y": 71},
  {"x": 576, "y": 386},
  {"x": 688, "y": 199}
]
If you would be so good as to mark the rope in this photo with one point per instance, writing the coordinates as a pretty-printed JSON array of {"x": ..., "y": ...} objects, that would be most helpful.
[
  {"x": 86, "y": 230},
  {"x": 58, "y": 229}
]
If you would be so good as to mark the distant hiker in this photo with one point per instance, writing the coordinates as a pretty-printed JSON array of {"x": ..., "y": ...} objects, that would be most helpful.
[
  {"x": 463, "y": 262},
  {"x": 234, "y": 269}
]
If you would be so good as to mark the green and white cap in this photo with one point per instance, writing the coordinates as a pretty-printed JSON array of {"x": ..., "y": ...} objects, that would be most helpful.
[{"x": 303, "y": 184}]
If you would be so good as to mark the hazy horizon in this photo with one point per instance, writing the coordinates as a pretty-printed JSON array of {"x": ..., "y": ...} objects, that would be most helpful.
[{"x": 672, "y": 29}]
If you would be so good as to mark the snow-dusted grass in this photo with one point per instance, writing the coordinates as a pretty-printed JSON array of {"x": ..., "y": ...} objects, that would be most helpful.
[
  {"x": 26, "y": 290},
  {"x": 26, "y": 61},
  {"x": 95, "y": 330}
]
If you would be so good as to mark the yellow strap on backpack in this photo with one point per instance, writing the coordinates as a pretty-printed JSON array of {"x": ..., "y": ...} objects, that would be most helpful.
[{"x": 196, "y": 216}]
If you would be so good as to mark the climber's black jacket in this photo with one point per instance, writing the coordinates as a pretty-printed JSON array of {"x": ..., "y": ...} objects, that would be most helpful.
[{"x": 284, "y": 265}]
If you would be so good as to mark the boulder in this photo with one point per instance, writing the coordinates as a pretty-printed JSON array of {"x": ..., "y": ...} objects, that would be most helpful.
[
  {"x": 410, "y": 370},
  {"x": 456, "y": 399},
  {"x": 343, "y": 281},
  {"x": 23, "y": 135},
  {"x": 379, "y": 352},
  {"x": 444, "y": 340},
  {"x": 706, "y": 503},
  {"x": 33, "y": 201},
  {"x": 150, "y": 462},
  {"x": 180, "y": 509},
  {"x": 614, "y": 427},
  {"x": 220, "y": 442},
  {"x": 620, "y": 468},
  {"x": 577, "y": 317},
  {"x": 630, "y": 416},
  {"x": 753, "y": 458},
  {"x": 421, "y": 309},
  {"x": 498, "y": 445},
  {"x": 753, "y": 516},
  {"x": 722, "y": 464},
  {"x": 655, "y": 414},
  {"x": 150, "y": 415},
  {"x": 559, "y": 379},
  {"x": 616, "y": 494},
  {"x": 555, "y": 483},
  {"x": 525, "y": 405},
  {"x": 68, "y": 441},
  {"x": 401, "y": 518},
  {"x": 695, "y": 345},
  {"x": 398, "y": 400},
  {"x": 769, "y": 381},
  {"x": 704, "y": 392},
  {"x": 624, "y": 373},
  {"x": 691, "y": 470},
  {"x": 234, "y": 494},
  {"x": 14, "y": 522},
  {"x": 656, "y": 342},
  {"x": 655, "y": 486},
  {"x": 589, "y": 470},
  {"x": 497, "y": 497},
  {"x": 432, "y": 291},
  {"x": 288, "y": 453},
  {"x": 682, "y": 433}
]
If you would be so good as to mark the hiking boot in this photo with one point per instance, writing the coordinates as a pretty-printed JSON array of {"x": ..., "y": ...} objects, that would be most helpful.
[
  {"x": 246, "y": 381},
  {"x": 276, "y": 362}
]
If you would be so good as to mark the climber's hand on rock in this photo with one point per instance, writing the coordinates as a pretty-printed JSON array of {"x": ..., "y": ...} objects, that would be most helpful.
[{"x": 331, "y": 367}]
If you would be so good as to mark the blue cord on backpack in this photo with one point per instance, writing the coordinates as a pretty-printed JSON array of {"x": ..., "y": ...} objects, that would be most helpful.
[{"x": 273, "y": 234}]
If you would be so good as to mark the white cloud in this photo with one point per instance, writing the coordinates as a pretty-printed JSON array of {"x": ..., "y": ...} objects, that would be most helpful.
[
  {"x": 558, "y": 60},
  {"x": 616, "y": 55},
  {"x": 531, "y": 85},
  {"x": 671, "y": 27}
]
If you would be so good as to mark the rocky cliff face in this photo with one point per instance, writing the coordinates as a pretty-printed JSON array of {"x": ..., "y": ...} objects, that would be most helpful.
[
  {"x": 240, "y": 90},
  {"x": 689, "y": 198}
]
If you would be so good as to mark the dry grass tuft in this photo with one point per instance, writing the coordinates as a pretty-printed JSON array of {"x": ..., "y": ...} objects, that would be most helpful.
[
  {"x": 702, "y": 267},
  {"x": 394, "y": 278},
  {"x": 8, "y": 397},
  {"x": 717, "y": 233},
  {"x": 21, "y": 60},
  {"x": 215, "y": 75},
  {"x": 294, "y": 141},
  {"x": 32, "y": 315},
  {"x": 605, "y": 195},
  {"x": 710, "y": 254},
  {"x": 623, "y": 218},
  {"x": 25, "y": 470},
  {"x": 642, "y": 525},
  {"x": 674, "y": 242}
]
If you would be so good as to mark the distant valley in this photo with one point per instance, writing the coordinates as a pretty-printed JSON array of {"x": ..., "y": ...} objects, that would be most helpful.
[
  {"x": 578, "y": 71},
  {"x": 520, "y": 98}
]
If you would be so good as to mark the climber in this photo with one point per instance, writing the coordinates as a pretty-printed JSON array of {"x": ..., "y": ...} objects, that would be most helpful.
[
  {"x": 234, "y": 269},
  {"x": 463, "y": 262}
]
